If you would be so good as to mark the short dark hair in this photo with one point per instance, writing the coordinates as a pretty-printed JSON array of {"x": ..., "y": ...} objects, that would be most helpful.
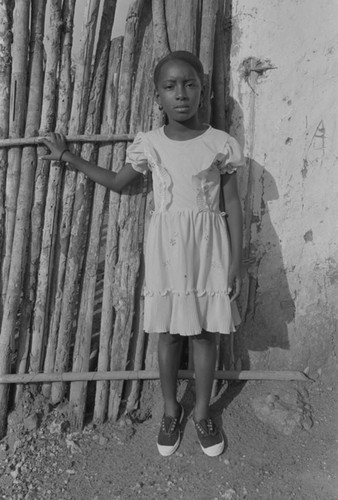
[{"x": 180, "y": 55}]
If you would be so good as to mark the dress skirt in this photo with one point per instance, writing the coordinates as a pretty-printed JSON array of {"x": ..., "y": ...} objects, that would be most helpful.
[{"x": 186, "y": 281}]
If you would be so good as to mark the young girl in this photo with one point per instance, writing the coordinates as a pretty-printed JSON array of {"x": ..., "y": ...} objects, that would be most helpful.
[{"x": 193, "y": 269}]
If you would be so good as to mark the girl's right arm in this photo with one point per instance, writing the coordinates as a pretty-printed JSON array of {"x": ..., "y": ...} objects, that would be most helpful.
[{"x": 115, "y": 181}]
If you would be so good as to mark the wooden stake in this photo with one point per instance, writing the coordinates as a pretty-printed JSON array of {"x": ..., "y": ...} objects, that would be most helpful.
[
  {"x": 78, "y": 390},
  {"x": 206, "y": 53},
  {"x": 160, "y": 49},
  {"x": 218, "y": 110},
  {"x": 18, "y": 98},
  {"x": 105, "y": 157},
  {"x": 160, "y": 35},
  {"x": 182, "y": 21},
  {"x": 25, "y": 194},
  {"x": 33, "y": 337},
  {"x": 72, "y": 235},
  {"x": 50, "y": 272},
  {"x": 5, "y": 81},
  {"x": 141, "y": 119},
  {"x": 34, "y": 196},
  {"x": 128, "y": 258}
]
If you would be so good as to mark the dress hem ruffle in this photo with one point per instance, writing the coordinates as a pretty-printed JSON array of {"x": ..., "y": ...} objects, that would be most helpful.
[{"x": 187, "y": 316}]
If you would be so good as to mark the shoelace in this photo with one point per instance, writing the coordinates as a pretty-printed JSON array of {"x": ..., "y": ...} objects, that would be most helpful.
[
  {"x": 172, "y": 425},
  {"x": 210, "y": 427}
]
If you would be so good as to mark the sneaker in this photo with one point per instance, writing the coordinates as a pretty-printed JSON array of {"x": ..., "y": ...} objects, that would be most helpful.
[
  {"x": 169, "y": 436},
  {"x": 210, "y": 438}
]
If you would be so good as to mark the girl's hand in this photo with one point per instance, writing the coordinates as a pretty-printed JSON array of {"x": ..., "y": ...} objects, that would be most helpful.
[
  {"x": 57, "y": 145},
  {"x": 235, "y": 282}
]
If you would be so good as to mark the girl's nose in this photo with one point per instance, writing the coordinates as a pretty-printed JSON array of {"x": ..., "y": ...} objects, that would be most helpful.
[{"x": 180, "y": 92}]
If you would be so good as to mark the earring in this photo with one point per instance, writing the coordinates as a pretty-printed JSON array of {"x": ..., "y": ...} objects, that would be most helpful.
[{"x": 160, "y": 107}]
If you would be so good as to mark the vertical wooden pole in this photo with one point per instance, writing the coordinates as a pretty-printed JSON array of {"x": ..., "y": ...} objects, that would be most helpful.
[
  {"x": 30, "y": 336},
  {"x": 104, "y": 159},
  {"x": 50, "y": 277},
  {"x": 141, "y": 119},
  {"x": 24, "y": 204},
  {"x": 160, "y": 49},
  {"x": 182, "y": 24},
  {"x": 85, "y": 319},
  {"x": 218, "y": 76},
  {"x": 128, "y": 258},
  {"x": 221, "y": 119},
  {"x": 206, "y": 53},
  {"x": 18, "y": 95},
  {"x": 5, "y": 81},
  {"x": 71, "y": 234},
  {"x": 160, "y": 34}
]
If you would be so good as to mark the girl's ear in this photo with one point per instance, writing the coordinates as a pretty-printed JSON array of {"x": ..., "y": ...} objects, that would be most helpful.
[{"x": 157, "y": 97}]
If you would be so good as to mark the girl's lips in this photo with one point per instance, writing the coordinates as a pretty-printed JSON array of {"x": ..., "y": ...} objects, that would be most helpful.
[{"x": 181, "y": 108}]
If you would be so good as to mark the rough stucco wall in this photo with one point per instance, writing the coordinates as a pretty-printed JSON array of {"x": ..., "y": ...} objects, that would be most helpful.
[{"x": 286, "y": 118}]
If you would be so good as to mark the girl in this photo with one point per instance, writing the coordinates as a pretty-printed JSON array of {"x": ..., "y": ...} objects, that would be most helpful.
[{"x": 193, "y": 270}]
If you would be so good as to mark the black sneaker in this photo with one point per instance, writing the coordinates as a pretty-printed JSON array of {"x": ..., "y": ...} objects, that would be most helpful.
[
  {"x": 210, "y": 438},
  {"x": 169, "y": 436}
]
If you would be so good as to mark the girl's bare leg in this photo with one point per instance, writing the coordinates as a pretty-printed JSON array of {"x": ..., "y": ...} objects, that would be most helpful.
[
  {"x": 169, "y": 355},
  {"x": 204, "y": 356}
]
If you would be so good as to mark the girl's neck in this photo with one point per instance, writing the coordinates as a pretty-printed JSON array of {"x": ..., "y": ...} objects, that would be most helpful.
[{"x": 181, "y": 131}]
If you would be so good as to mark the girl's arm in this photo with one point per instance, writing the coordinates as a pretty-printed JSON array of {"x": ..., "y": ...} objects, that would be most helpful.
[
  {"x": 115, "y": 181},
  {"x": 235, "y": 224}
]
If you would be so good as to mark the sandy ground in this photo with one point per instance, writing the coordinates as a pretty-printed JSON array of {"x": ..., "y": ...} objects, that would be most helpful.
[{"x": 290, "y": 456}]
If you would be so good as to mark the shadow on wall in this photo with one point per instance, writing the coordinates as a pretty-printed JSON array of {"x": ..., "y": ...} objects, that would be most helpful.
[{"x": 266, "y": 304}]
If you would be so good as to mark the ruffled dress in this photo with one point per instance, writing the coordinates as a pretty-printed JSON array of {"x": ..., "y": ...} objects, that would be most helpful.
[{"x": 187, "y": 251}]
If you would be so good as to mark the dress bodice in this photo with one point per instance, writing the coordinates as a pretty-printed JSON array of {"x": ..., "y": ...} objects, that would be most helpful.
[{"x": 186, "y": 174}]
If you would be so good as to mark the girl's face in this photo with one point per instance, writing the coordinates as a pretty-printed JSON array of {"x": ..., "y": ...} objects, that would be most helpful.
[{"x": 179, "y": 91}]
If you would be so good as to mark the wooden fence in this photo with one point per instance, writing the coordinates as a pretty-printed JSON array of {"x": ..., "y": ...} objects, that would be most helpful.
[{"x": 71, "y": 253}]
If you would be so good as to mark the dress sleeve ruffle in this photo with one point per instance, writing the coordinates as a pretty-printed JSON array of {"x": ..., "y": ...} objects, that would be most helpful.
[
  {"x": 231, "y": 157},
  {"x": 136, "y": 156}
]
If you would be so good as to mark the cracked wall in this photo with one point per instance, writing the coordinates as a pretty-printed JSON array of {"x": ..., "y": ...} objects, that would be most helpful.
[{"x": 284, "y": 89}]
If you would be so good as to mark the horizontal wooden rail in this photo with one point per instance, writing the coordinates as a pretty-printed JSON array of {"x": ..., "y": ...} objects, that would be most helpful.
[
  {"x": 36, "y": 141},
  {"x": 34, "y": 378}
]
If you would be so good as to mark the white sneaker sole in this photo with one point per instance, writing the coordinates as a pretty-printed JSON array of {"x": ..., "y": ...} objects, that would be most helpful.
[
  {"x": 166, "y": 451},
  {"x": 214, "y": 451}
]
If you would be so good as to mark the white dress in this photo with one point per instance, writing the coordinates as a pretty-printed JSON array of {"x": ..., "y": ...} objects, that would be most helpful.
[{"x": 187, "y": 252}]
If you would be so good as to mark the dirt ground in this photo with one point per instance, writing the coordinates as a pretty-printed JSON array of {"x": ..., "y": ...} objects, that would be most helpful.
[{"x": 281, "y": 444}]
